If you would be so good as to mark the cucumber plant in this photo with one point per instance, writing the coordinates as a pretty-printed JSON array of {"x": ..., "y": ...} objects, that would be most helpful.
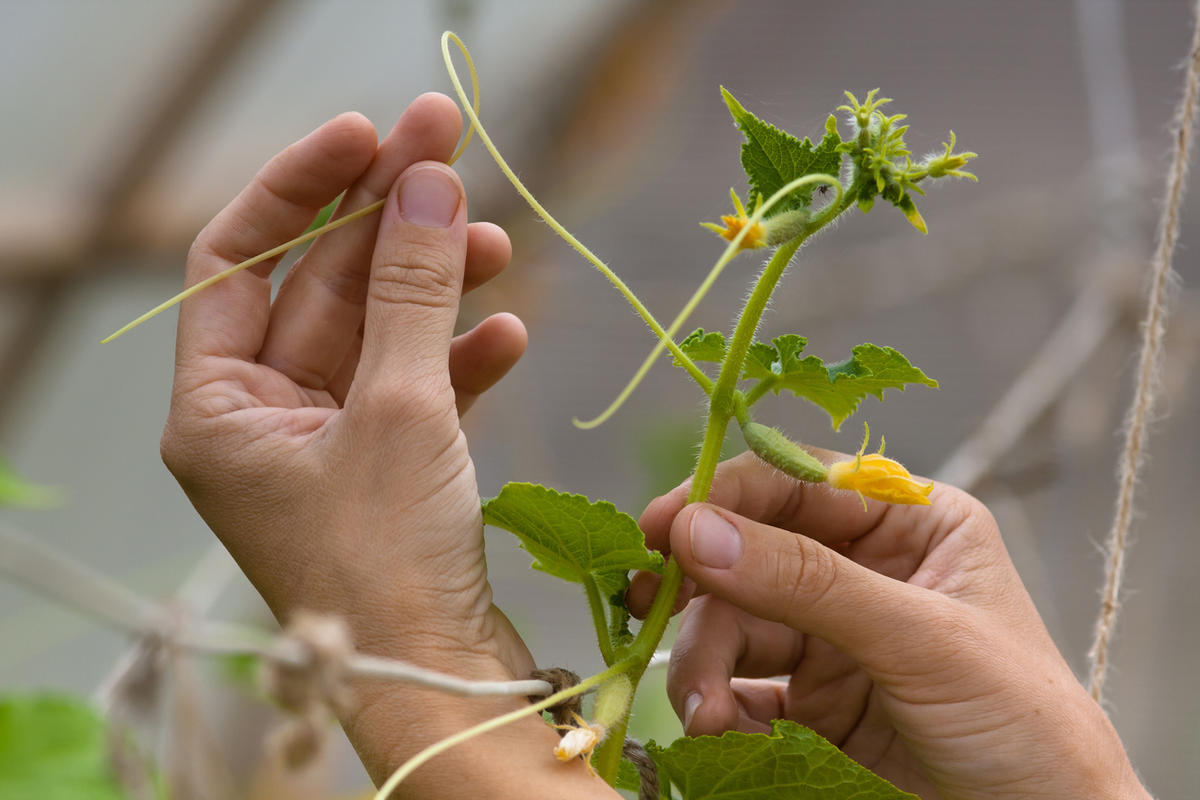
[{"x": 795, "y": 189}]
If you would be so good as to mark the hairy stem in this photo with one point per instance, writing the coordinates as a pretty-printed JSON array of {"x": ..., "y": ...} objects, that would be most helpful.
[
  {"x": 731, "y": 250},
  {"x": 607, "y": 760},
  {"x": 598, "y": 618},
  {"x": 725, "y": 402},
  {"x": 721, "y": 410}
]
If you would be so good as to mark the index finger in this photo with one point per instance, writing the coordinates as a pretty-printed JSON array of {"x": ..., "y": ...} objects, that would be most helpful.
[
  {"x": 230, "y": 318},
  {"x": 749, "y": 486}
]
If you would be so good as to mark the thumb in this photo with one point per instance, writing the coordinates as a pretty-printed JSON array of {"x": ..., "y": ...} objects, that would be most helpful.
[
  {"x": 416, "y": 278},
  {"x": 882, "y": 623}
]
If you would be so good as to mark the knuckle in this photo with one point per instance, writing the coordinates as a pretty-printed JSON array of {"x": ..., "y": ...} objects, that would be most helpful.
[
  {"x": 412, "y": 401},
  {"x": 344, "y": 284},
  {"x": 189, "y": 455},
  {"x": 172, "y": 454},
  {"x": 805, "y": 575},
  {"x": 965, "y": 516},
  {"x": 423, "y": 274},
  {"x": 958, "y": 635}
]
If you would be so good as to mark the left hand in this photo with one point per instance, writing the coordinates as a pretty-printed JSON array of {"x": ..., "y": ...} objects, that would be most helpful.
[{"x": 319, "y": 435}]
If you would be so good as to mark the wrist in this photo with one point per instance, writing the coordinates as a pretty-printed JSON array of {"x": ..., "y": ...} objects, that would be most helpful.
[{"x": 397, "y": 723}]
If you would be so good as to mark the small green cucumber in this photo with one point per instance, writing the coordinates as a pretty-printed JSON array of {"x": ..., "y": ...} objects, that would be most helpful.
[{"x": 781, "y": 452}]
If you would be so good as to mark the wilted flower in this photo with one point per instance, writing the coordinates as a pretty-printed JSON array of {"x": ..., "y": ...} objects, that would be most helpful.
[
  {"x": 579, "y": 740},
  {"x": 872, "y": 475}
]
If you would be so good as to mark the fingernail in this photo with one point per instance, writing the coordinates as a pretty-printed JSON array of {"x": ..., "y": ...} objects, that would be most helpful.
[
  {"x": 715, "y": 543},
  {"x": 429, "y": 197},
  {"x": 689, "y": 709}
]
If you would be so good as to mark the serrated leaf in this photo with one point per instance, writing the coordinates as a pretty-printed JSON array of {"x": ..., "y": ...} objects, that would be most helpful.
[
  {"x": 702, "y": 345},
  {"x": 53, "y": 747},
  {"x": 570, "y": 536},
  {"x": 762, "y": 360},
  {"x": 839, "y": 387},
  {"x": 16, "y": 492},
  {"x": 772, "y": 158},
  {"x": 792, "y": 762}
]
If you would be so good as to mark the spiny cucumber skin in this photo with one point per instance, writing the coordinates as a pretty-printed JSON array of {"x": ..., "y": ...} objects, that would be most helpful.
[{"x": 782, "y": 453}]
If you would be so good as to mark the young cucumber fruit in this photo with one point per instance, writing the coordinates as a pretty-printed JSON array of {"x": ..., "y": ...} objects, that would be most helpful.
[{"x": 782, "y": 453}]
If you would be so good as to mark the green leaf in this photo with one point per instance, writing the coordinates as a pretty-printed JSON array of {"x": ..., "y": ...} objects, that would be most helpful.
[
  {"x": 762, "y": 360},
  {"x": 570, "y": 536},
  {"x": 16, "y": 492},
  {"x": 792, "y": 762},
  {"x": 702, "y": 345},
  {"x": 53, "y": 747},
  {"x": 618, "y": 626},
  {"x": 628, "y": 777},
  {"x": 324, "y": 214},
  {"x": 839, "y": 387},
  {"x": 773, "y": 158}
]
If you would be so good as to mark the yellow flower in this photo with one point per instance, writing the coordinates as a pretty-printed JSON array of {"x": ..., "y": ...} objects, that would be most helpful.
[
  {"x": 879, "y": 478},
  {"x": 755, "y": 237}
]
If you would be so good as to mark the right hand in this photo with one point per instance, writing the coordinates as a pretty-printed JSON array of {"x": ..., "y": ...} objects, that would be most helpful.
[{"x": 905, "y": 632}]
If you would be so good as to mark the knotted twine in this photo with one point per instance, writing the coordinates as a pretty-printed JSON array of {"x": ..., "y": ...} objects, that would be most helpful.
[
  {"x": 314, "y": 691},
  {"x": 564, "y": 714}
]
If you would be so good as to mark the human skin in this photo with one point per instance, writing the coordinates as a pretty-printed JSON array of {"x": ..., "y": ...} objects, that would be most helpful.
[
  {"x": 319, "y": 438},
  {"x": 905, "y": 633}
]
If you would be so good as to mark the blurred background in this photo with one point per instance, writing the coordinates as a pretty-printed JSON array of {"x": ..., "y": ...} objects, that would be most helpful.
[{"x": 128, "y": 124}]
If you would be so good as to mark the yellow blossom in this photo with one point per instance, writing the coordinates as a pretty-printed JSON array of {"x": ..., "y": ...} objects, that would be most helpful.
[
  {"x": 579, "y": 741},
  {"x": 872, "y": 475},
  {"x": 733, "y": 224}
]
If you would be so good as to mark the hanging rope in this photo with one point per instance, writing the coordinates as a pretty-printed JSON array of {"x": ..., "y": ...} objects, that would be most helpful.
[{"x": 1153, "y": 328}]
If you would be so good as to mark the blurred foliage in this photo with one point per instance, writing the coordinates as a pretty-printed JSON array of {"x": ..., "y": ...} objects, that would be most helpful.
[
  {"x": 54, "y": 747},
  {"x": 16, "y": 492},
  {"x": 666, "y": 452}
]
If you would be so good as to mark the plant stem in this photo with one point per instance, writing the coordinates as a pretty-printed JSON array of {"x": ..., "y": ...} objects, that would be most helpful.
[
  {"x": 759, "y": 389},
  {"x": 607, "y": 758},
  {"x": 720, "y": 411},
  {"x": 420, "y": 758},
  {"x": 723, "y": 405},
  {"x": 598, "y": 618}
]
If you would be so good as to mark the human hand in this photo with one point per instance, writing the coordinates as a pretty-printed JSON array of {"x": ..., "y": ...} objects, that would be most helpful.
[
  {"x": 319, "y": 435},
  {"x": 906, "y": 635}
]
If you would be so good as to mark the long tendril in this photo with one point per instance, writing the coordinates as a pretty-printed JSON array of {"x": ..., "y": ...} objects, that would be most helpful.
[
  {"x": 665, "y": 338},
  {"x": 731, "y": 250},
  {"x": 307, "y": 236},
  {"x": 420, "y": 758}
]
